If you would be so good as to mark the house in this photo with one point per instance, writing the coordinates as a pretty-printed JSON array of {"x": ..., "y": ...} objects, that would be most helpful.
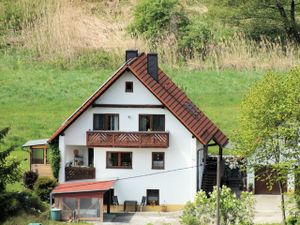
[{"x": 137, "y": 135}]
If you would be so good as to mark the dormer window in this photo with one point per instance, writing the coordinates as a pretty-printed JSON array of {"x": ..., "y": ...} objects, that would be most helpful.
[{"x": 129, "y": 86}]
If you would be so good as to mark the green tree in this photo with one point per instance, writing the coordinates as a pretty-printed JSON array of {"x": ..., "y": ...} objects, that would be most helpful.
[
  {"x": 271, "y": 18},
  {"x": 269, "y": 128},
  {"x": 155, "y": 19},
  {"x": 9, "y": 167}
]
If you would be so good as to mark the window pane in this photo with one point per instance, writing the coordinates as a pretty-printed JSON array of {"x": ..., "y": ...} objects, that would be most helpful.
[
  {"x": 89, "y": 208},
  {"x": 158, "y": 122},
  {"x": 125, "y": 159},
  {"x": 112, "y": 159},
  {"x": 98, "y": 121},
  {"x": 37, "y": 156},
  {"x": 129, "y": 86},
  {"x": 144, "y": 123},
  {"x": 112, "y": 122},
  {"x": 158, "y": 160},
  {"x": 68, "y": 206},
  {"x": 153, "y": 197}
]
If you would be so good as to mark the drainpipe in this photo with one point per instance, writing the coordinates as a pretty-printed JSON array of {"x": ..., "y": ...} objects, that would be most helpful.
[{"x": 197, "y": 167}]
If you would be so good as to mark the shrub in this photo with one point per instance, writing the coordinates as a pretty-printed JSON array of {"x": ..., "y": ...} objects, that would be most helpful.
[
  {"x": 43, "y": 187},
  {"x": 154, "y": 20},
  {"x": 233, "y": 210},
  {"x": 55, "y": 159},
  {"x": 12, "y": 203},
  {"x": 29, "y": 178}
]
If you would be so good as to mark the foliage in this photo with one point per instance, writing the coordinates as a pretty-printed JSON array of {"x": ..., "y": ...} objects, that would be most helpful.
[
  {"x": 268, "y": 133},
  {"x": 155, "y": 20},
  {"x": 256, "y": 18},
  {"x": 233, "y": 210},
  {"x": 9, "y": 166},
  {"x": 12, "y": 203},
  {"x": 43, "y": 187},
  {"x": 29, "y": 179},
  {"x": 195, "y": 38},
  {"x": 55, "y": 158}
]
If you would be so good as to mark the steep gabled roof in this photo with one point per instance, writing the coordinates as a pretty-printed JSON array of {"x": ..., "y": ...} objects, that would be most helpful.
[{"x": 168, "y": 94}]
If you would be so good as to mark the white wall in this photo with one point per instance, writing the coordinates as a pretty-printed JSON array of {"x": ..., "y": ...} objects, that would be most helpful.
[
  {"x": 117, "y": 95},
  {"x": 176, "y": 187}
]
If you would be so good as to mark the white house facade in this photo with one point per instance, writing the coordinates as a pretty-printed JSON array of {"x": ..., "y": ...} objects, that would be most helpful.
[{"x": 138, "y": 138}]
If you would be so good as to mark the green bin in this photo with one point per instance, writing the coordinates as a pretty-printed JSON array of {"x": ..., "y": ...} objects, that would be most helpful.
[
  {"x": 56, "y": 214},
  {"x": 35, "y": 224}
]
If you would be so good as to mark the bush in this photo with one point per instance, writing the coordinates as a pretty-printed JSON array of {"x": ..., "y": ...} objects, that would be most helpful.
[
  {"x": 43, "y": 187},
  {"x": 29, "y": 178},
  {"x": 233, "y": 210},
  {"x": 154, "y": 20},
  {"x": 12, "y": 203}
]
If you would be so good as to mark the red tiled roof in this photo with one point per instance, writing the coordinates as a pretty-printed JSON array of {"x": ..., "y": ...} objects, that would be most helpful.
[
  {"x": 170, "y": 96},
  {"x": 77, "y": 187}
]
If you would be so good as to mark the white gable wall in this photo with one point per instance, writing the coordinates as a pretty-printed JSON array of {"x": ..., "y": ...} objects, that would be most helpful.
[
  {"x": 176, "y": 187},
  {"x": 117, "y": 95}
]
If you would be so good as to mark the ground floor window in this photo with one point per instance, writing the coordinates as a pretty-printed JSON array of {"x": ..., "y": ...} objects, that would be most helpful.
[
  {"x": 152, "y": 197},
  {"x": 37, "y": 156},
  {"x": 158, "y": 160},
  {"x": 119, "y": 160}
]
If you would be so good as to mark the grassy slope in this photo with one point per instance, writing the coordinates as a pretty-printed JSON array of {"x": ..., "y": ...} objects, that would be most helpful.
[{"x": 35, "y": 99}]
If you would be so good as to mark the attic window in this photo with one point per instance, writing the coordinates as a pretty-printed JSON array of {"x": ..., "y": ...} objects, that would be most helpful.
[{"x": 129, "y": 86}]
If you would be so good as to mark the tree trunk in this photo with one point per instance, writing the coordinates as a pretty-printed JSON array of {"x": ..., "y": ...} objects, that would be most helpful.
[
  {"x": 280, "y": 184},
  {"x": 290, "y": 24}
]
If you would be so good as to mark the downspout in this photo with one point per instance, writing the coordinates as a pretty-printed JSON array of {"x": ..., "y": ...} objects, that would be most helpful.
[{"x": 197, "y": 168}]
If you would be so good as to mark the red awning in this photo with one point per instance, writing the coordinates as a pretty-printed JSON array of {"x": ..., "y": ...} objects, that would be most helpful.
[{"x": 79, "y": 187}]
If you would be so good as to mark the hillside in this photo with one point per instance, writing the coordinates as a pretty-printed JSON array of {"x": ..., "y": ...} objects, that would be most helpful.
[{"x": 36, "y": 99}]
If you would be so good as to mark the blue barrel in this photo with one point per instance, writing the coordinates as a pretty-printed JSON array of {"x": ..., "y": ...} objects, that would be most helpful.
[{"x": 56, "y": 214}]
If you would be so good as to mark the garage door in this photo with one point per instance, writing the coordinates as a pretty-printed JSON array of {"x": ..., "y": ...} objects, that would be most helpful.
[{"x": 261, "y": 186}]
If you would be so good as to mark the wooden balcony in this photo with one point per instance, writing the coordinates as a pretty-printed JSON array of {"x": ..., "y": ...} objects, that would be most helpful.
[
  {"x": 79, "y": 173},
  {"x": 157, "y": 139}
]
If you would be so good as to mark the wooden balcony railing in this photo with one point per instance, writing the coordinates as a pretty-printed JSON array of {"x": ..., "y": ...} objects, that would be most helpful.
[
  {"x": 79, "y": 173},
  {"x": 157, "y": 139}
]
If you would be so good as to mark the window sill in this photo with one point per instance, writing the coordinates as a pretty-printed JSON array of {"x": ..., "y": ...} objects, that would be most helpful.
[{"x": 118, "y": 167}]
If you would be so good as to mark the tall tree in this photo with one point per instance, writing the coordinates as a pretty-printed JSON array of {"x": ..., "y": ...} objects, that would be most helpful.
[
  {"x": 271, "y": 18},
  {"x": 269, "y": 128},
  {"x": 9, "y": 167}
]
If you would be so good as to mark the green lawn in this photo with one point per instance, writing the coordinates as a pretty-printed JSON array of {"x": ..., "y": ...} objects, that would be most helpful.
[{"x": 36, "y": 98}]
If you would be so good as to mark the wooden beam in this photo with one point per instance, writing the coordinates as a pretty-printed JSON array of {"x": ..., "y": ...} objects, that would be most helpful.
[{"x": 127, "y": 106}]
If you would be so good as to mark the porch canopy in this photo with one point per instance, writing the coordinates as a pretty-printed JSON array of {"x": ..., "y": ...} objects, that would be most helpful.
[{"x": 85, "y": 199}]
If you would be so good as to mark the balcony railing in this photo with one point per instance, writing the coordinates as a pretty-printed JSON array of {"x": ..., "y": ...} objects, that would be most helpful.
[
  {"x": 153, "y": 139},
  {"x": 79, "y": 173}
]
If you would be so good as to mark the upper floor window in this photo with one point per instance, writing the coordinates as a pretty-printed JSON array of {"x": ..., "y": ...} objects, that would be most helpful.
[
  {"x": 151, "y": 122},
  {"x": 128, "y": 86},
  {"x": 106, "y": 122},
  {"x": 119, "y": 160}
]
